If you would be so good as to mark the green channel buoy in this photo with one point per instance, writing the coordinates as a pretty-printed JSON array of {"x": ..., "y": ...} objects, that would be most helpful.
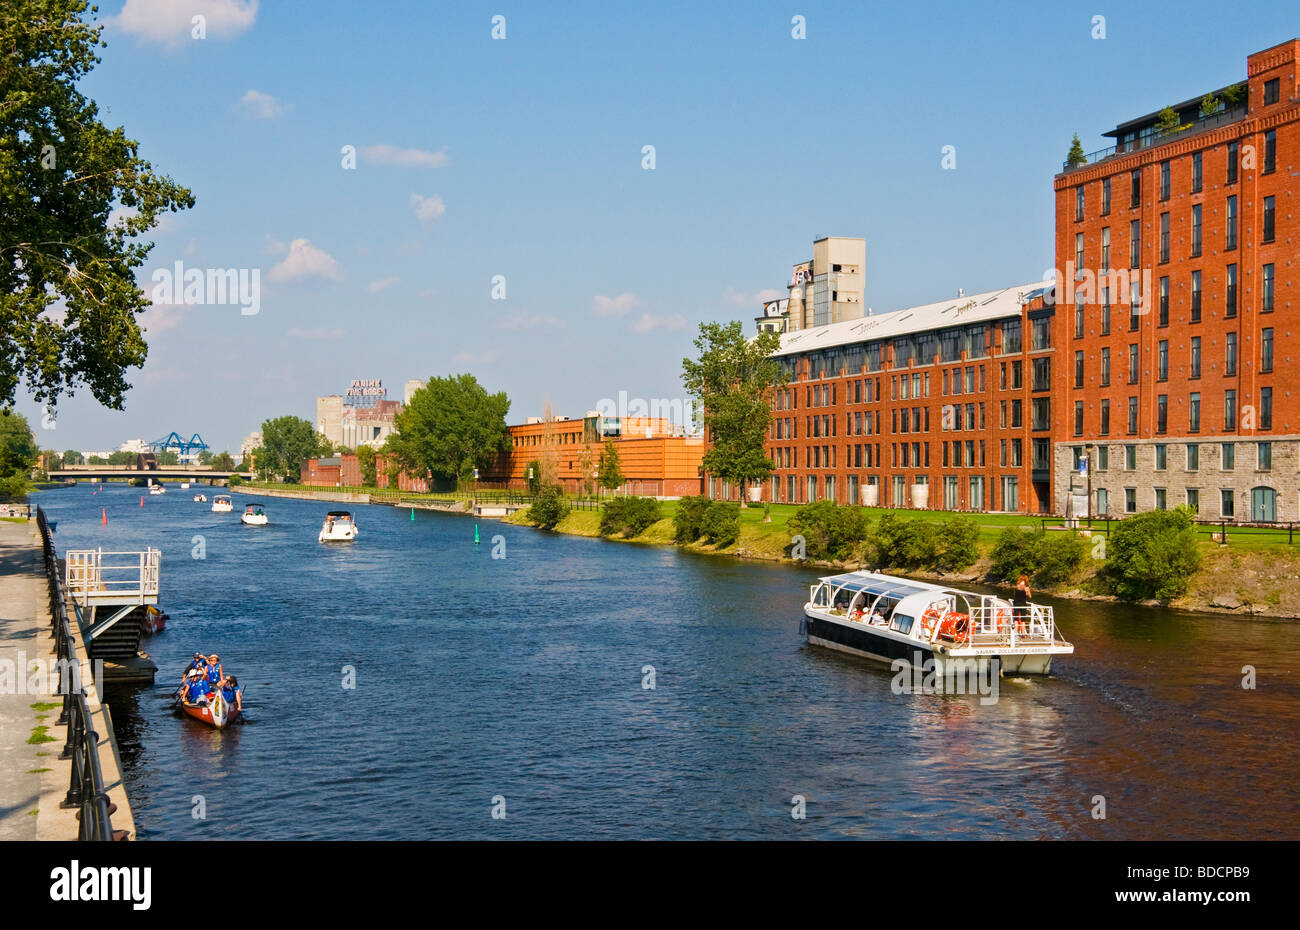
[
  {"x": 476, "y": 534},
  {"x": 412, "y": 513}
]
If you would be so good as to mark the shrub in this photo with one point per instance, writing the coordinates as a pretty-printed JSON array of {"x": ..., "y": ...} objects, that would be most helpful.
[
  {"x": 13, "y": 489},
  {"x": 1047, "y": 558},
  {"x": 721, "y": 523},
  {"x": 235, "y": 481},
  {"x": 1152, "y": 555},
  {"x": 549, "y": 508},
  {"x": 688, "y": 521},
  {"x": 955, "y": 544},
  {"x": 923, "y": 544},
  {"x": 631, "y": 516},
  {"x": 830, "y": 531}
]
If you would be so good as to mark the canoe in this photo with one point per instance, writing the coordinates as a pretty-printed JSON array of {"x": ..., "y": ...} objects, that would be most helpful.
[{"x": 218, "y": 713}]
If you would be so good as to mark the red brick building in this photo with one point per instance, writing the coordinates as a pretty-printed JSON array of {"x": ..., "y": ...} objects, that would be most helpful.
[{"x": 1176, "y": 249}]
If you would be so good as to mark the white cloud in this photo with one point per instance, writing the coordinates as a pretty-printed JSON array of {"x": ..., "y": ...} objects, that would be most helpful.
[
  {"x": 171, "y": 22},
  {"x": 465, "y": 357},
  {"x": 258, "y": 105},
  {"x": 427, "y": 208},
  {"x": 385, "y": 154},
  {"x": 615, "y": 306},
  {"x": 521, "y": 322},
  {"x": 746, "y": 300},
  {"x": 305, "y": 261},
  {"x": 276, "y": 246},
  {"x": 321, "y": 334},
  {"x": 159, "y": 317},
  {"x": 380, "y": 284},
  {"x": 650, "y": 321}
]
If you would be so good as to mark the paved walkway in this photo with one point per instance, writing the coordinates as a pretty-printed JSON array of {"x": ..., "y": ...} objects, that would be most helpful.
[{"x": 24, "y": 622}]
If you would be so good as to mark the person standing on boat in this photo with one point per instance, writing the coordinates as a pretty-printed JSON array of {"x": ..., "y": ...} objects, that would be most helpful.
[{"x": 1020, "y": 597}]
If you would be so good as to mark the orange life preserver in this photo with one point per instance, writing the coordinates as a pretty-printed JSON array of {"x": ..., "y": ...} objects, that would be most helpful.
[
  {"x": 956, "y": 627},
  {"x": 930, "y": 619},
  {"x": 1003, "y": 617}
]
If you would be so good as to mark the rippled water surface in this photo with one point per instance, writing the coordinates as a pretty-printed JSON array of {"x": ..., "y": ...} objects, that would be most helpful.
[{"x": 522, "y": 678}]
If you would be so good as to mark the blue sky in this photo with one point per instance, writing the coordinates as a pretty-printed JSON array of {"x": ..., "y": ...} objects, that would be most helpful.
[{"x": 525, "y": 155}]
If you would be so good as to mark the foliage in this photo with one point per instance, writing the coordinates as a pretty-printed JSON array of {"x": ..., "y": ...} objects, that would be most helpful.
[
  {"x": 18, "y": 452},
  {"x": 731, "y": 382},
  {"x": 1047, "y": 558},
  {"x": 926, "y": 545},
  {"x": 236, "y": 481},
  {"x": 688, "y": 521},
  {"x": 64, "y": 176},
  {"x": 366, "y": 463},
  {"x": 222, "y": 461},
  {"x": 549, "y": 508},
  {"x": 534, "y": 476},
  {"x": 168, "y": 458},
  {"x": 631, "y": 516},
  {"x": 1232, "y": 95},
  {"x": 1075, "y": 156},
  {"x": 610, "y": 470},
  {"x": 717, "y": 522},
  {"x": 286, "y": 442},
  {"x": 1209, "y": 105},
  {"x": 121, "y": 458},
  {"x": 1152, "y": 555},
  {"x": 451, "y": 426},
  {"x": 1167, "y": 121},
  {"x": 73, "y": 457},
  {"x": 831, "y": 531}
]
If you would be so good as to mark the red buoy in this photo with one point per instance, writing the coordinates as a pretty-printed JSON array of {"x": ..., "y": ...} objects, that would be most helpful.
[
  {"x": 103, "y": 516},
  {"x": 142, "y": 502}
]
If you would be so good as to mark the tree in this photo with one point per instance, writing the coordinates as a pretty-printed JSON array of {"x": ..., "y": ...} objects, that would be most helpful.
[
  {"x": 73, "y": 457},
  {"x": 121, "y": 458},
  {"x": 451, "y": 426},
  {"x": 549, "y": 508},
  {"x": 68, "y": 294},
  {"x": 610, "y": 470},
  {"x": 1152, "y": 554},
  {"x": 1167, "y": 122},
  {"x": 366, "y": 461},
  {"x": 286, "y": 441},
  {"x": 731, "y": 381},
  {"x": 1232, "y": 95},
  {"x": 534, "y": 476},
  {"x": 1209, "y": 105},
  {"x": 18, "y": 452},
  {"x": 1075, "y": 156},
  {"x": 167, "y": 458},
  {"x": 222, "y": 461}
]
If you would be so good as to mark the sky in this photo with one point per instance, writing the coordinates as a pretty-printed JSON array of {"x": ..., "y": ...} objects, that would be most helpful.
[{"x": 518, "y": 164}]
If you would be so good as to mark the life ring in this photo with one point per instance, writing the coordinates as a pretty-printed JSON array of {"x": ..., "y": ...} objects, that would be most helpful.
[
  {"x": 1003, "y": 618},
  {"x": 930, "y": 619},
  {"x": 956, "y": 627}
]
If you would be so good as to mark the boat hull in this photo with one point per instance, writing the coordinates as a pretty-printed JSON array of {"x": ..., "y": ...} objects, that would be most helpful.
[
  {"x": 253, "y": 521},
  {"x": 864, "y": 641},
  {"x": 219, "y": 714},
  {"x": 337, "y": 536}
]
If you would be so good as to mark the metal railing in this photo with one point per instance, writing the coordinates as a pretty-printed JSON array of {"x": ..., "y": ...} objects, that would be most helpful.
[
  {"x": 993, "y": 624},
  {"x": 126, "y": 578},
  {"x": 1204, "y": 124},
  {"x": 86, "y": 786}
]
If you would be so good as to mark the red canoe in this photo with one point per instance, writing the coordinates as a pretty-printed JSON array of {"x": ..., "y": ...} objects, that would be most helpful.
[{"x": 220, "y": 713}]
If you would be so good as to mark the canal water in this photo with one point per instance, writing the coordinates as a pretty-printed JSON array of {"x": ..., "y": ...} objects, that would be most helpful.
[{"x": 516, "y": 685}]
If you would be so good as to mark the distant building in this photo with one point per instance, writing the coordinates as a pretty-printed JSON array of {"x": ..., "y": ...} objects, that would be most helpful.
[
  {"x": 362, "y": 415},
  {"x": 410, "y": 388},
  {"x": 826, "y": 289},
  {"x": 134, "y": 446}
]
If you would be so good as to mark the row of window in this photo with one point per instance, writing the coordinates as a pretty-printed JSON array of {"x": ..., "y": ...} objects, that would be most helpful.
[
  {"x": 1139, "y": 306},
  {"x": 1251, "y": 418},
  {"x": 789, "y": 489},
  {"x": 958, "y": 453},
  {"x": 1266, "y": 357},
  {"x": 1234, "y": 162},
  {"x": 1191, "y": 456}
]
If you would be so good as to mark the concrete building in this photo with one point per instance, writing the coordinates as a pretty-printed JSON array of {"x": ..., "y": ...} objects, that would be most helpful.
[
  {"x": 1176, "y": 250},
  {"x": 409, "y": 388},
  {"x": 134, "y": 446},
  {"x": 329, "y": 417},
  {"x": 369, "y": 426},
  {"x": 825, "y": 289},
  {"x": 250, "y": 442},
  {"x": 943, "y": 405}
]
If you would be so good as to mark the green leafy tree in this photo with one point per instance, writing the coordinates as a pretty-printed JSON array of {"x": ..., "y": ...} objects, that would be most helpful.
[
  {"x": 121, "y": 458},
  {"x": 222, "y": 461},
  {"x": 451, "y": 426},
  {"x": 830, "y": 530},
  {"x": 610, "y": 470},
  {"x": 731, "y": 381},
  {"x": 1209, "y": 105},
  {"x": 286, "y": 442},
  {"x": 1075, "y": 156},
  {"x": 73, "y": 457},
  {"x": 62, "y": 174},
  {"x": 18, "y": 452},
  {"x": 366, "y": 462},
  {"x": 1233, "y": 95},
  {"x": 167, "y": 458},
  {"x": 1167, "y": 121},
  {"x": 533, "y": 475},
  {"x": 1152, "y": 555},
  {"x": 549, "y": 508}
]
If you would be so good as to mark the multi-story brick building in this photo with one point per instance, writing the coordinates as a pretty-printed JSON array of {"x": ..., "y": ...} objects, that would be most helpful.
[
  {"x": 944, "y": 405},
  {"x": 1176, "y": 257}
]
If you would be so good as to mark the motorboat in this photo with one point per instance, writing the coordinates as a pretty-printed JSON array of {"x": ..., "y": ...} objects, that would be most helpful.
[
  {"x": 200, "y": 498},
  {"x": 185, "y": 485},
  {"x": 891, "y": 619},
  {"x": 254, "y": 515},
  {"x": 221, "y": 504},
  {"x": 157, "y": 489},
  {"x": 338, "y": 527}
]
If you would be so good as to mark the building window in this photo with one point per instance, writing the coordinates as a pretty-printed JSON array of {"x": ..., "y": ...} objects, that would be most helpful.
[
  {"x": 1105, "y": 311},
  {"x": 1230, "y": 298},
  {"x": 1266, "y": 349},
  {"x": 1078, "y": 317},
  {"x": 1042, "y": 374},
  {"x": 1263, "y": 456},
  {"x": 1078, "y": 202},
  {"x": 1196, "y": 230},
  {"x": 1271, "y": 91},
  {"x": 1196, "y": 172},
  {"x": 1230, "y": 354},
  {"x": 1132, "y": 416},
  {"x": 1078, "y": 369},
  {"x": 1105, "y": 417},
  {"x": 1232, "y": 162},
  {"x": 1196, "y": 297},
  {"x": 1230, "y": 409},
  {"x": 1078, "y": 255},
  {"x": 1270, "y": 218},
  {"x": 1162, "y": 413},
  {"x": 1135, "y": 188},
  {"x": 1164, "y": 180},
  {"x": 1042, "y": 334},
  {"x": 1194, "y": 500},
  {"x": 1270, "y": 151},
  {"x": 1105, "y": 249},
  {"x": 1162, "y": 499},
  {"x": 1011, "y": 341},
  {"x": 1164, "y": 237},
  {"x": 1105, "y": 197},
  {"x": 1164, "y": 301},
  {"x": 1225, "y": 503},
  {"x": 1130, "y": 500},
  {"x": 1134, "y": 243},
  {"x": 1078, "y": 418},
  {"x": 1010, "y": 493},
  {"x": 1162, "y": 456},
  {"x": 1162, "y": 361},
  {"x": 1135, "y": 306},
  {"x": 1194, "y": 413},
  {"x": 1130, "y": 457},
  {"x": 1193, "y": 457},
  {"x": 1042, "y": 454},
  {"x": 1133, "y": 363},
  {"x": 1103, "y": 458},
  {"x": 1266, "y": 408},
  {"x": 1042, "y": 413},
  {"x": 1196, "y": 358},
  {"x": 1105, "y": 366},
  {"x": 1230, "y": 232},
  {"x": 1228, "y": 456}
]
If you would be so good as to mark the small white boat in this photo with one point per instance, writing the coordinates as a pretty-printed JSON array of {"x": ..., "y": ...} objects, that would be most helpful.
[
  {"x": 221, "y": 504},
  {"x": 254, "y": 515},
  {"x": 200, "y": 498},
  {"x": 156, "y": 489},
  {"x": 891, "y": 619},
  {"x": 338, "y": 527}
]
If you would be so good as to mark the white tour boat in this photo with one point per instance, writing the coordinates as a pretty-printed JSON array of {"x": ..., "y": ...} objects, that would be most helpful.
[
  {"x": 338, "y": 527},
  {"x": 886, "y": 618},
  {"x": 254, "y": 515},
  {"x": 221, "y": 504}
]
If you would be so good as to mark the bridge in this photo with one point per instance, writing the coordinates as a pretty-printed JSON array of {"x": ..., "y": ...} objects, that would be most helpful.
[{"x": 161, "y": 473}]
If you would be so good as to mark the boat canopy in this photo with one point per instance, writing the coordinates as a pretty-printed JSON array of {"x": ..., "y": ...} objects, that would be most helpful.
[
  {"x": 872, "y": 583},
  {"x": 340, "y": 513}
]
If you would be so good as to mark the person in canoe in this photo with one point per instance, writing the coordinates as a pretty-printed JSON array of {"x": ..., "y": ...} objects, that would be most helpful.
[
  {"x": 212, "y": 671},
  {"x": 230, "y": 691},
  {"x": 198, "y": 689},
  {"x": 197, "y": 664}
]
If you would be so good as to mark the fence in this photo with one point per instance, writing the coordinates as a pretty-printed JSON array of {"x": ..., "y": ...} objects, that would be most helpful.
[
  {"x": 1254, "y": 535},
  {"x": 86, "y": 787}
]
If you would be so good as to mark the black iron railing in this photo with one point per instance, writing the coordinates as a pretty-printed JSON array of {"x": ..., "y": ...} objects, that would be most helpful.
[{"x": 86, "y": 787}]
